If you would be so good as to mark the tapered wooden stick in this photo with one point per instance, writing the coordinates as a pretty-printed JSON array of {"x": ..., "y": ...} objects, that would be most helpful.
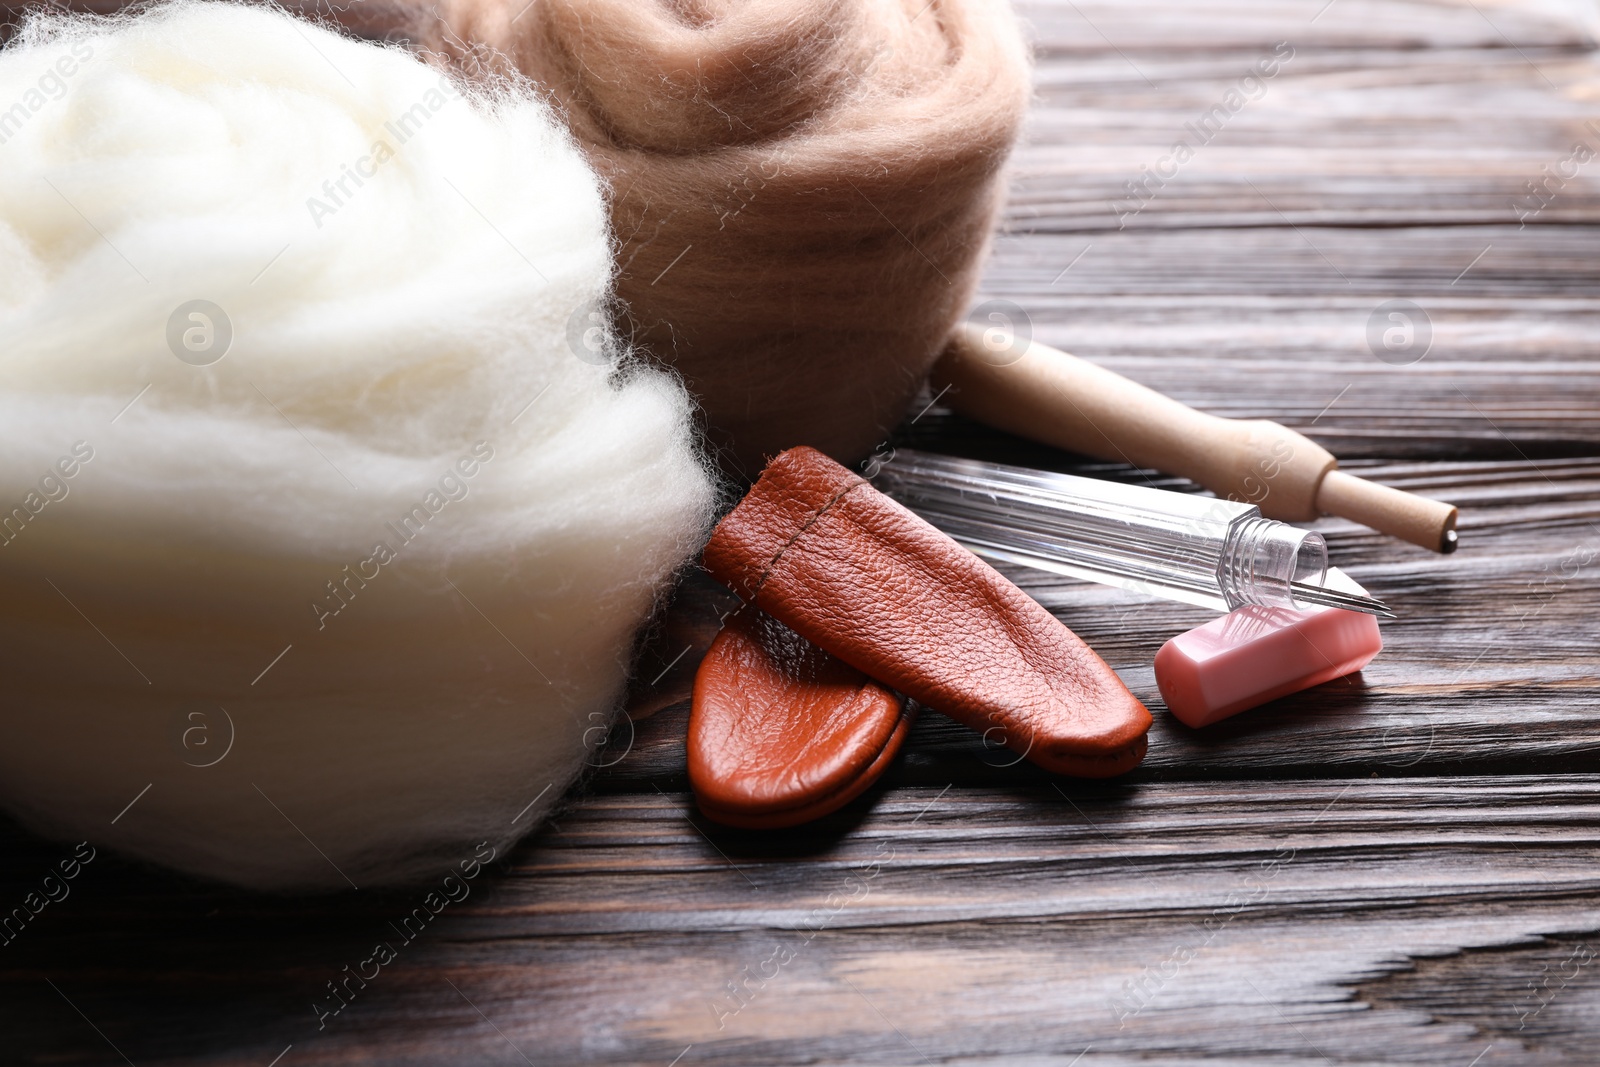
[{"x": 1060, "y": 400}]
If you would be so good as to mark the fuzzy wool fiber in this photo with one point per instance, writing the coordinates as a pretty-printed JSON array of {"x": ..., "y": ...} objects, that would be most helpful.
[
  {"x": 802, "y": 190},
  {"x": 325, "y": 581}
]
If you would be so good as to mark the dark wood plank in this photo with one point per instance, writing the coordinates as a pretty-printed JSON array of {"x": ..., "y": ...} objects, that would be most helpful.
[
  {"x": 1003, "y": 925},
  {"x": 1389, "y": 158},
  {"x": 1111, "y": 29}
]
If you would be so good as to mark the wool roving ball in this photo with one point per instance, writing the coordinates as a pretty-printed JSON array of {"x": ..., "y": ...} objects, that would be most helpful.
[
  {"x": 802, "y": 190},
  {"x": 328, "y": 511}
]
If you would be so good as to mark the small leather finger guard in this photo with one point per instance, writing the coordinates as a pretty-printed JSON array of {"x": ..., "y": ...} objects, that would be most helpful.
[{"x": 850, "y": 570}]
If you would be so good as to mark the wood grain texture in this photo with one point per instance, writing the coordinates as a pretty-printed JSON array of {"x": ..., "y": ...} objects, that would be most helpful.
[
  {"x": 1395, "y": 868},
  {"x": 1277, "y": 923}
]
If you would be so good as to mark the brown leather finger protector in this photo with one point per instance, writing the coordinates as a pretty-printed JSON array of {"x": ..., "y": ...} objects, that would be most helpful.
[
  {"x": 780, "y": 732},
  {"x": 818, "y": 548}
]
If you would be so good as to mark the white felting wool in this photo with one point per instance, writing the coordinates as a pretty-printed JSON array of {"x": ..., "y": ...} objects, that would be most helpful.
[{"x": 334, "y": 607}]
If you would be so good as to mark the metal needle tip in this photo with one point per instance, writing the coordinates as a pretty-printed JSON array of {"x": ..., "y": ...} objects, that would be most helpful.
[{"x": 1333, "y": 598}]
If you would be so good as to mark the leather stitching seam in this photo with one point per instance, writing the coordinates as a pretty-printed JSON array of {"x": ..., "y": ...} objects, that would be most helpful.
[{"x": 766, "y": 571}]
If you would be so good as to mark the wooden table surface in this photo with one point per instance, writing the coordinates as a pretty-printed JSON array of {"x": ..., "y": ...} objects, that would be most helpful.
[{"x": 1397, "y": 867}]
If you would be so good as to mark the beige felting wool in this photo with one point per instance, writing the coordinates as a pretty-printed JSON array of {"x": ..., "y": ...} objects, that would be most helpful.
[
  {"x": 802, "y": 189},
  {"x": 321, "y": 551}
]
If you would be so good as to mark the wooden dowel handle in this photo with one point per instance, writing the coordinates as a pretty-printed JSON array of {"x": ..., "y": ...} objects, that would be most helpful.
[
  {"x": 1060, "y": 400},
  {"x": 1429, "y": 523}
]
